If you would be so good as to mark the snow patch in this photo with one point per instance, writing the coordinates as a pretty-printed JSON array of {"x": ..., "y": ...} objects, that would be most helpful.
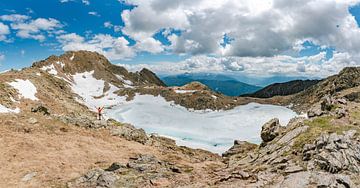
[
  {"x": 62, "y": 65},
  {"x": 72, "y": 57},
  {"x": 3, "y": 109},
  {"x": 26, "y": 89},
  {"x": 185, "y": 91},
  {"x": 125, "y": 81},
  {"x": 50, "y": 69}
]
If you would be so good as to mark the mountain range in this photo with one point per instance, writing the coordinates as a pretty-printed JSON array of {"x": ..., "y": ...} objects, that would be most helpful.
[
  {"x": 51, "y": 135},
  {"x": 217, "y": 82}
]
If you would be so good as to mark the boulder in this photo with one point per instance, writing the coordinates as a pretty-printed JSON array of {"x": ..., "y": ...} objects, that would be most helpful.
[
  {"x": 40, "y": 109},
  {"x": 239, "y": 147},
  {"x": 130, "y": 133},
  {"x": 270, "y": 130},
  {"x": 32, "y": 120},
  {"x": 95, "y": 178}
]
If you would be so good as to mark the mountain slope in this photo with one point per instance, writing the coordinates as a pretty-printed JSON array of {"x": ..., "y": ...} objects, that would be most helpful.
[
  {"x": 283, "y": 89},
  {"x": 344, "y": 83},
  {"x": 219, "y": 83}
]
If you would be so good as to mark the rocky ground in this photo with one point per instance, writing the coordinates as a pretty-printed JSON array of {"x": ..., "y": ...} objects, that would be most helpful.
[{"x": 55, "y": 141}]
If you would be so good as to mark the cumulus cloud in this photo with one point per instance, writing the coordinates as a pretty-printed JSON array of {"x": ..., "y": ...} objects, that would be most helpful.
[
  {"x": 312, "y": 66},
  {"x": 257, "y": 27},
  {"x": 36, "y": 29},
  {"x": 4, "y": 30},
  {"x": 114, "y": 48},
  {"x": 14, "y": 17}
]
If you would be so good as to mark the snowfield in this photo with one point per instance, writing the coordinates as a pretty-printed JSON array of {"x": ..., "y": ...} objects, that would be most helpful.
[
  {"x": 90, "y": 88},
  {"x": 25, "y": 88},
  {"x": 211, "y": 130}
]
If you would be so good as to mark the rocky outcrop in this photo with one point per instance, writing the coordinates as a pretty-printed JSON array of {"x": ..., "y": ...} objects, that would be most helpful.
[
  {"x": 270, "y": 130},
  {"x": 348, "y": 78},
  {"x": 335, "y": 153},
  {"x": 150, "y": 77},
  {"x": 40, "y": 109},
  {"x": 239, "y": 147},
  {"x": 140, "y": 171},
  {"x": 128, "y": 132}
]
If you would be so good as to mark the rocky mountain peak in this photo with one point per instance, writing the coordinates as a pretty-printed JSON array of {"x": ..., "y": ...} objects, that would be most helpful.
[{"x": 73, "y": 62}]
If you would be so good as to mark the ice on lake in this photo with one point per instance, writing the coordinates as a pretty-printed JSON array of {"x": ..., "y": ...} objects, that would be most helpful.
[{"x": 214, "y": 131}]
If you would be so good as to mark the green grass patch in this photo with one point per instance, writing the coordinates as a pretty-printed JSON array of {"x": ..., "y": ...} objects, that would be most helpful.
[{"x": 317, "y": 126}]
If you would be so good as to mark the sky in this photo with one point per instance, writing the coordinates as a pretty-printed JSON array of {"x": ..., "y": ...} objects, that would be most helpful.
[{"x": 307, "y": 38}]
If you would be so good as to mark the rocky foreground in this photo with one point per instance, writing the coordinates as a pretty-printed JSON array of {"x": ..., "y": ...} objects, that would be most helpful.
[{"x": 53, "y": 140}]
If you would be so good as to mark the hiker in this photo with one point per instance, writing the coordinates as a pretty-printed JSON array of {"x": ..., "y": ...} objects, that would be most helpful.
[{"x": 99, "y": 110}]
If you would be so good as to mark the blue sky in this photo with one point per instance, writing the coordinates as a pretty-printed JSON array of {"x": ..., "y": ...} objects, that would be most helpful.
[{"x": 159, "y": 33}]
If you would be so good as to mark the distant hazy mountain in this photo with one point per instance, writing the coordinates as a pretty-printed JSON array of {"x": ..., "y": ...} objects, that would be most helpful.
[
  {"x": 283, "y": 89},
  {"x": 217, "y": 82}
]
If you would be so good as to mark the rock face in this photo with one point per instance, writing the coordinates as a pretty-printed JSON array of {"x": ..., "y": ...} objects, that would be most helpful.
[
  {"x": 270, "y": 130},
  {"x": 151, "y": 77},
  {"x": 335, "y": 153},
  {"x": 283, "y": 89}
]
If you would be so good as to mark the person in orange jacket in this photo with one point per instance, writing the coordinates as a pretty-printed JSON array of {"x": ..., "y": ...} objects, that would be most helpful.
[{"x": 99, "y": 110}]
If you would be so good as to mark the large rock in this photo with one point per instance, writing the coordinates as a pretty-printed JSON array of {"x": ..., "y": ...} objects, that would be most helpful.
[
  {"x": 129, "y": 132},
  {"x": 95, "y": 178},
  {"x": 40, "y": 109},
  {"x": 270, "y": 130},
  {"x": 239, "y": 147}
]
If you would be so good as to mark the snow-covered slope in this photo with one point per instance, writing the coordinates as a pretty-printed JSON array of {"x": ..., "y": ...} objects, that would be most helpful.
[{"x": 210, "y": 130}]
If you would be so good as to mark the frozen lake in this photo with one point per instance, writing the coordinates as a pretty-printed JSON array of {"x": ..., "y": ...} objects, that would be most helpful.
[{"x": 214, "y": 131}]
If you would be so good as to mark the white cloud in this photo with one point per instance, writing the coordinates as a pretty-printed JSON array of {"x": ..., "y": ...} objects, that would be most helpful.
[
  {"x": 4, "y": 30},
  {"x": 258, "y": 27},
  {"x": 112, "y": 47},
  {"x": 86, "y": 2},
  {"x": 36, "y": 29},
  {"x": 93, "y": 13},
  {"x": 313, "y": 66},
  {"x": 108, "y": 25},
  {"x": 14, "y": 18}
]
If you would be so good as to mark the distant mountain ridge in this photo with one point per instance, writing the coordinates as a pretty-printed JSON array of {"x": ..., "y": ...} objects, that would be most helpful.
[
  {"x": 216, "y": 82},
  {"x": 283, "y": 89}
]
